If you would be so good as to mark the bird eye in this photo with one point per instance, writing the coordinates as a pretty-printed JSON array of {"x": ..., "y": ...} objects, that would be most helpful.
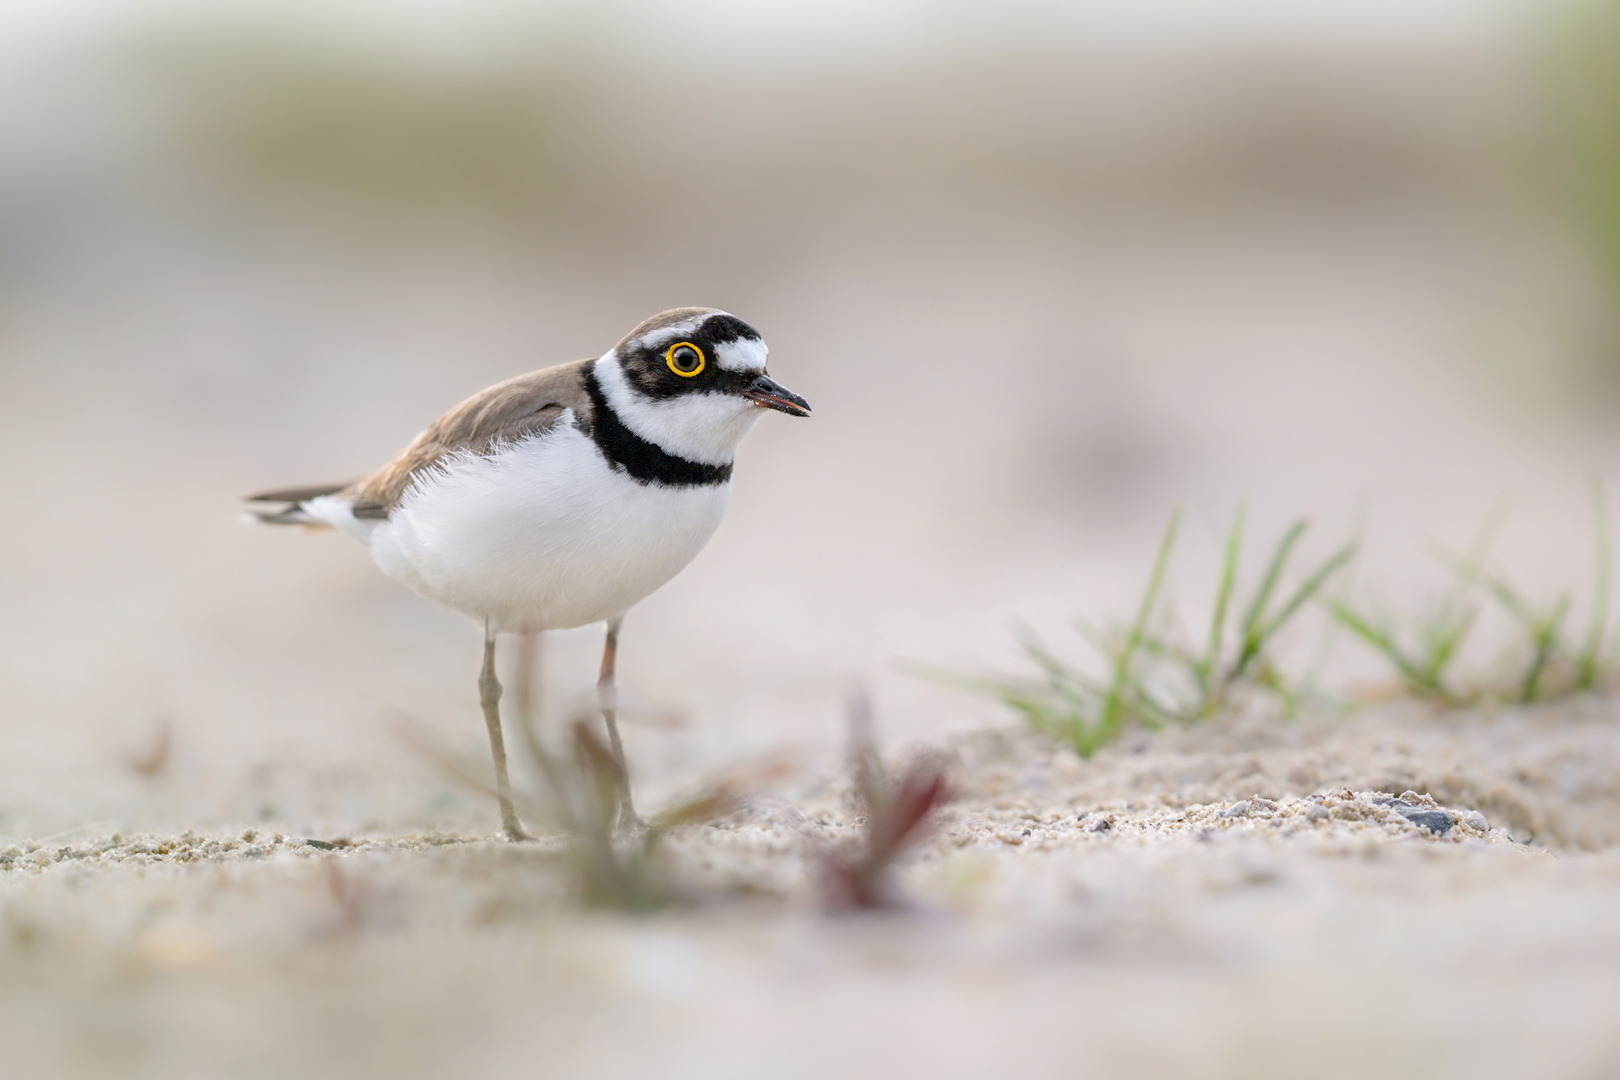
[{"x": 684, "y": 359}]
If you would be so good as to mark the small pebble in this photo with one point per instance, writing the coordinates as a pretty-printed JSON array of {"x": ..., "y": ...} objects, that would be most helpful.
[
  {"x": 1476, "y": 820},
  {"x": 1237, "y": 809},
  {"x": 1316, "y": 813},
  {"x": 1436, "y": 821}
]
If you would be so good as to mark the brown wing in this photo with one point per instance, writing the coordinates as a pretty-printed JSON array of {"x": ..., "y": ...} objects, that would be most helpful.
[{"x": 505, "y": 412}]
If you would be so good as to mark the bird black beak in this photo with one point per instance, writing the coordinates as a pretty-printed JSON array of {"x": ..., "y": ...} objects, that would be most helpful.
[{"x": 771, "y": 394}]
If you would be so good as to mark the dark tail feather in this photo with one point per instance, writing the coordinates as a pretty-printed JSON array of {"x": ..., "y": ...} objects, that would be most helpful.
[
  {"x": 295, "y": 494},
  {"x": 291, "y": 512}
]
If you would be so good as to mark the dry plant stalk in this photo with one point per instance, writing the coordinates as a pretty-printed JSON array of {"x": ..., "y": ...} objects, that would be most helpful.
[
  {"x": 612, "y": 863},
  {"x": 897, "y": 816}
]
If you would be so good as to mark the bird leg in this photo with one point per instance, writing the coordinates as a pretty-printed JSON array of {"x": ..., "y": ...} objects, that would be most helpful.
[
  {"x": 489, "y": 695},
  {"x": 607, "y": 692}
]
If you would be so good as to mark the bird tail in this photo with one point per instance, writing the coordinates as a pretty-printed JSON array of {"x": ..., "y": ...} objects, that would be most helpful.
[{"x": 291, "y": 511}]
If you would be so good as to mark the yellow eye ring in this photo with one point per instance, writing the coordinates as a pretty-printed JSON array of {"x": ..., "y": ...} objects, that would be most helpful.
[{"x": 669, "y": 359}]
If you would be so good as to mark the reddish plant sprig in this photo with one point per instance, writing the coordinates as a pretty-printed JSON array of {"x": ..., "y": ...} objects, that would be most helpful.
[{"x": 897, "y": 816}]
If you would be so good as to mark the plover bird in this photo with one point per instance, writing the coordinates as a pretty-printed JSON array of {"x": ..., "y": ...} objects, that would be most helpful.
[{"x": 563, "y": 497}]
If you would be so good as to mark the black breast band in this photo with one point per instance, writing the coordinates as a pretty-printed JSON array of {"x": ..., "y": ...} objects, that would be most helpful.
[{"x": 644, "y": 461}]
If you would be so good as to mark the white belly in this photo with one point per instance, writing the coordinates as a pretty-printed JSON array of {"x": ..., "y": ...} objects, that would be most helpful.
[{"x": 543, "y": 534}]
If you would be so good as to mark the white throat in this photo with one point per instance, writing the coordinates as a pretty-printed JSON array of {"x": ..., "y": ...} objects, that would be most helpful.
[{"x": 698, "y": 427}]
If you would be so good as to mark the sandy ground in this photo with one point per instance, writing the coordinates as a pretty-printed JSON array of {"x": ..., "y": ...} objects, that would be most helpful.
[{"x": 1246, "y": 900}]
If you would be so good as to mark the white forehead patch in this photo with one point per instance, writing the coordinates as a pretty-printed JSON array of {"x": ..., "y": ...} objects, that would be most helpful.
[
  {"x": 674, "y": 332},
  {"x": 666, "y": 334},
  {"x": 744, "y": 354}
]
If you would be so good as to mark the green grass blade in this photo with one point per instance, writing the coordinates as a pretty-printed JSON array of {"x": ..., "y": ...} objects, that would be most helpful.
[
  {"x": 1588, "y": 665},
  {"x": 1443, "y": 641},
  {"x": 1541, "y": 629},
  {"x": 1094, "y": 636},
  {"x": 1254, "y": 618},
  {"x": 1154, "y": 713},
  {"x": 1056, "y": 670},
  {"x": 1327, "y": 638},
  {"x": 1223, "y": 599},
  {"x": 1477, "y": 553},
  {"x": 1544, "y": 643},
  {"x": 1498, "y": 587},
  {"x": 1383, "y": 643},
  {"x": 1311, "y": 586},
  {"x": 1268, "y": 583},
  {"x": 1160, "y": 649},
  {"x": 1255, "y": 641},
  {"x": 1112, "y": 718}
]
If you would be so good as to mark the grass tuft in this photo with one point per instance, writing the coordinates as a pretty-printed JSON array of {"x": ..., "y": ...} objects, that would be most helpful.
[
  {"x": 1544, "y": 664},
  {"x": 1423, "y": 658},
  {"x": 1155, "y": 677}
]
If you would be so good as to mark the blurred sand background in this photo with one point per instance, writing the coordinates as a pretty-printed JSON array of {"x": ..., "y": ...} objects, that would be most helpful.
[{"x": 1045, "y": 271}]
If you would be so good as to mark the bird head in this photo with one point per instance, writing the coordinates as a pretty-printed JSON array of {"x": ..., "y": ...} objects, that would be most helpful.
[{"x": 693, "y": 380}]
